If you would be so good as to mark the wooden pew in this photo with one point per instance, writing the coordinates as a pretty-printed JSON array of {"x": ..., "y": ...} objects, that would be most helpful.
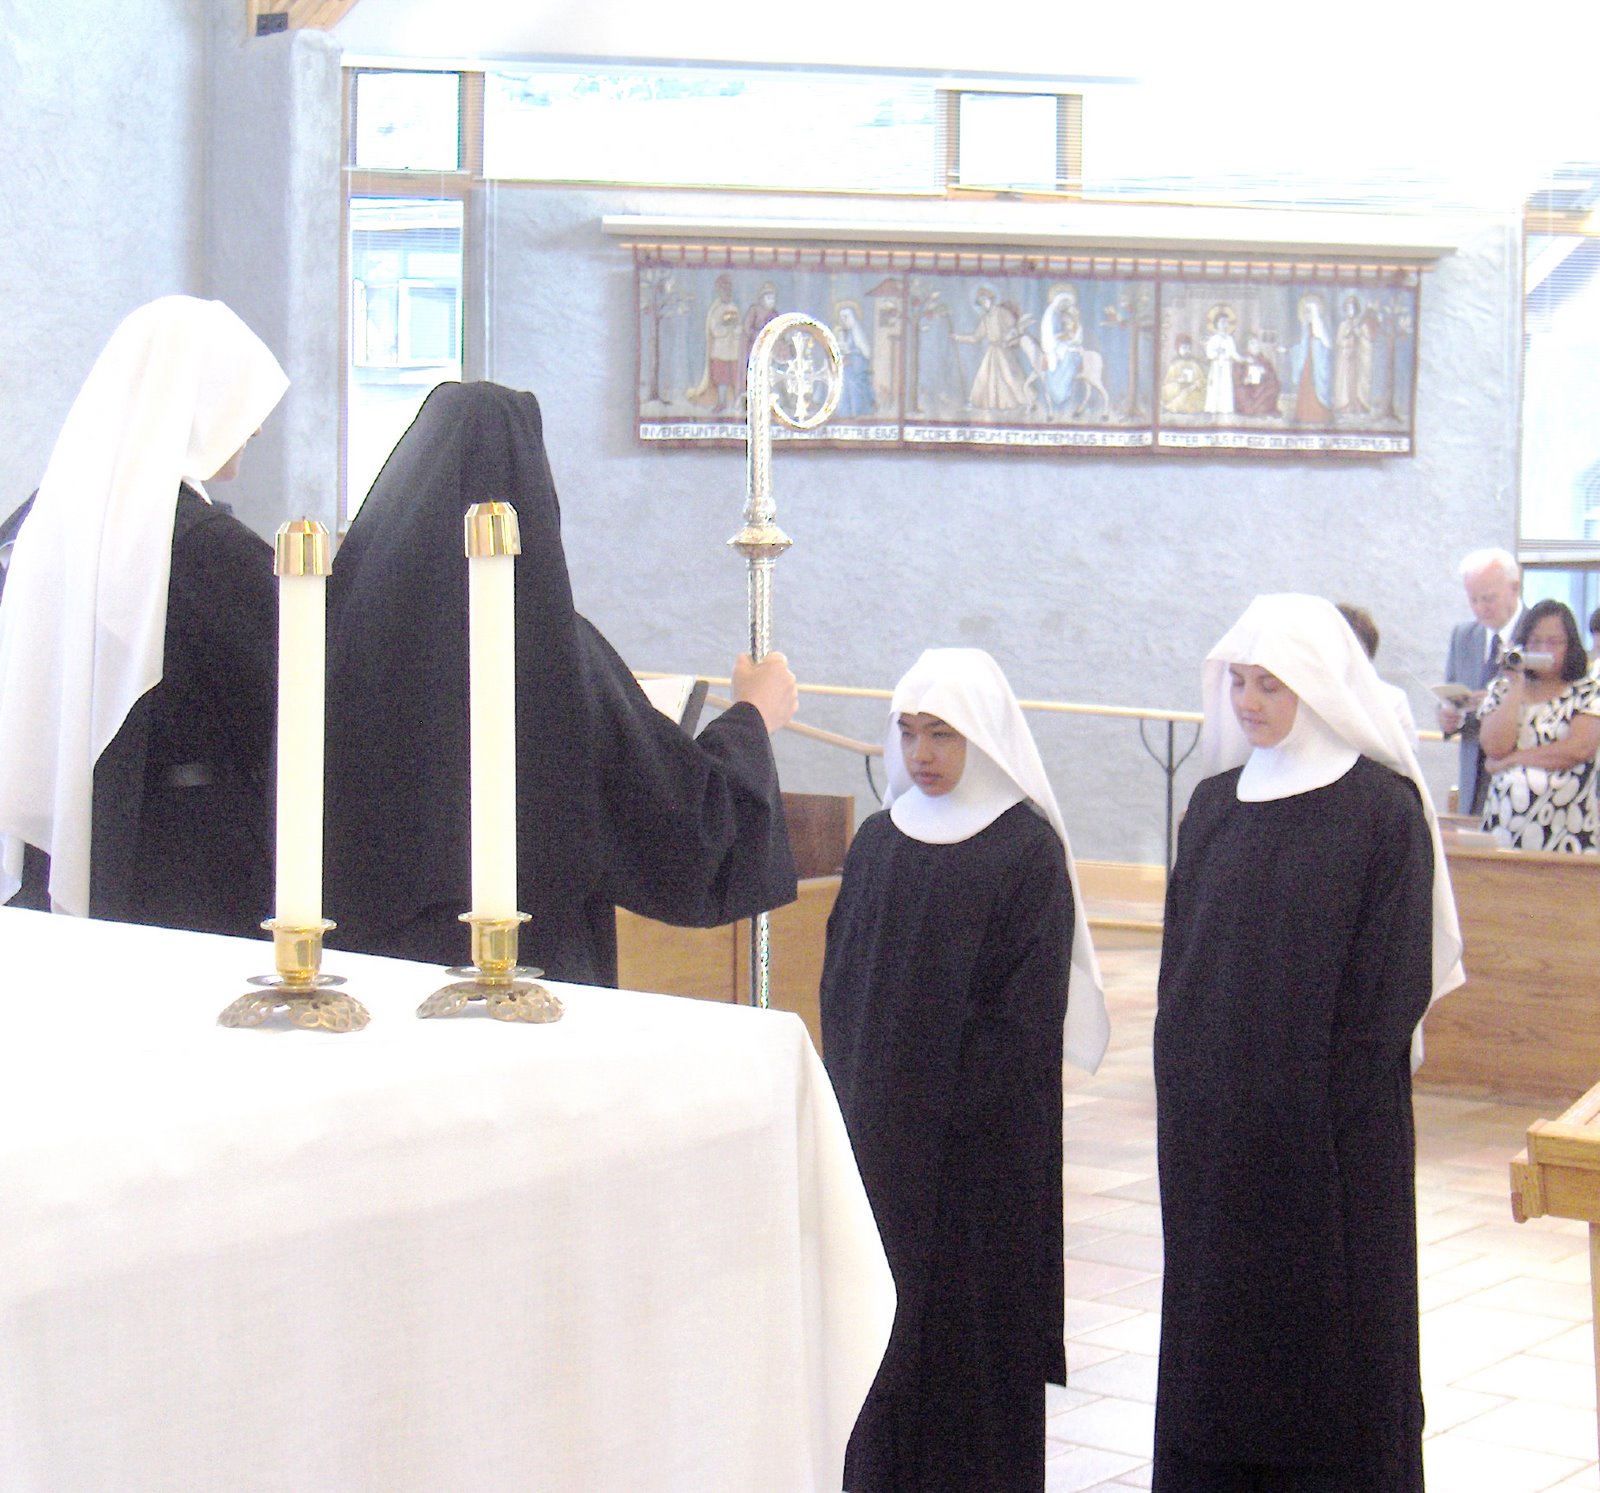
[{"x": 1525, "y": 1028}]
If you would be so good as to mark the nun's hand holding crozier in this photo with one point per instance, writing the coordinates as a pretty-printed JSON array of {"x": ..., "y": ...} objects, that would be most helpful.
[{"x": 769, "y": 686}]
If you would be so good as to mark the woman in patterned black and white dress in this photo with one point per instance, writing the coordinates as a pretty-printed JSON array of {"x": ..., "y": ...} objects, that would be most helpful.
[{"x": 1540, "y": 732}]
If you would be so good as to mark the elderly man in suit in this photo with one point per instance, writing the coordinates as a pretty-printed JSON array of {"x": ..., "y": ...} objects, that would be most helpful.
[{"x": 1493, "y": 582}]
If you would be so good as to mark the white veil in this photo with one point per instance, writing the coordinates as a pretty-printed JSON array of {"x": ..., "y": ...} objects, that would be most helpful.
[
  {"x": 1309, "y": 646},
  {"x": 965, "y": 688},
  {"x": 180, "y": 386}
]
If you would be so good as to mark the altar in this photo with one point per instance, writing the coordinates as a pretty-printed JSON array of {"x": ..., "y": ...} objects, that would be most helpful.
[{"x": 626, "y": 1250}]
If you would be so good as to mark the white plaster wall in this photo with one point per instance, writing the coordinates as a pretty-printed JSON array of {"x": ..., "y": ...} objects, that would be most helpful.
[
  {"x": 1091, "y": 578},
  {"x": 157, "y": 152},
  {"x": 101, "y": 158},
  {"x": 272, "y": 249}
]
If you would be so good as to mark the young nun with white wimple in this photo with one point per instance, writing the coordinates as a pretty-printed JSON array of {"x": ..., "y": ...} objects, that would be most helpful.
[
  {"x": 958, "y": 976},
  {"x": 1309, "y": 924}
]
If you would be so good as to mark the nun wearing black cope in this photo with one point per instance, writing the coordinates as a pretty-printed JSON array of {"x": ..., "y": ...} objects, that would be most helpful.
[
  {"x": 958, "y": 975},
  {"x": 1309, "y": 923},
  {"x": 615, "y": 804},
  {"x": 138, "y": 637}
]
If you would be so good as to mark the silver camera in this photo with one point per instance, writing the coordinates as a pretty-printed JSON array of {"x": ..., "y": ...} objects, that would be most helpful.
[{"x": 1517, "y": 658}]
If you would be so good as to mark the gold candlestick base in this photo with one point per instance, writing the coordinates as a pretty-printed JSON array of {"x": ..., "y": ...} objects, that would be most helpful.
[
  {"x": 507, "y": 989},
  {"x": 299, "y": 989}
]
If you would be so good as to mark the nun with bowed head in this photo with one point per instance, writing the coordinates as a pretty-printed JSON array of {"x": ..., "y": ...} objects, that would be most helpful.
[
  {"x": 615, "y": 805},
  {"x": 958, "y": 976},
  {"x": 1309, "y": 924},
  {"x": 138, "y": 641}
]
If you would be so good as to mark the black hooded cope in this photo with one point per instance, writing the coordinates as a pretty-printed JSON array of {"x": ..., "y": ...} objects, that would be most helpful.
[{"x": 616, "y": 806}]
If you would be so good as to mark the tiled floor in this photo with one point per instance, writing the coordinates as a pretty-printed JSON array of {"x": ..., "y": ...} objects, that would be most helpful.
[{"x": 1507, "y": 1347}]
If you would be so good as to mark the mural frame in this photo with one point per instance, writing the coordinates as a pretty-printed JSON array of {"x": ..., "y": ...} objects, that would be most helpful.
[{"x": 985, "y": 349}]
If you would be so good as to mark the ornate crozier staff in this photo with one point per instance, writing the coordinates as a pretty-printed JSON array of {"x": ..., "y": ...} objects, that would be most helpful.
[{"x": 784, "y": 378}]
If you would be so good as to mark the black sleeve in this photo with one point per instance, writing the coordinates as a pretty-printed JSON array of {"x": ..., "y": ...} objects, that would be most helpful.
[
  {"x": 222, "y": 615},
  {"x": 1391, "y": 976},
  {"x": 695, "y": 833},
  {"x": 1011, "y": 1056}
]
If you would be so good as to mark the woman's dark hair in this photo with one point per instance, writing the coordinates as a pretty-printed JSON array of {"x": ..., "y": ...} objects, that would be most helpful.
[
  {"x": 1576, "y": 664},
  {"x": 1362, "y": 625}
]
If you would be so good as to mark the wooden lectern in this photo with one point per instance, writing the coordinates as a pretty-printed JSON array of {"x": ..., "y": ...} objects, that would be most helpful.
[
  {"x": 714, "y": 963},
  {"x": 1559, "y": 1175}
]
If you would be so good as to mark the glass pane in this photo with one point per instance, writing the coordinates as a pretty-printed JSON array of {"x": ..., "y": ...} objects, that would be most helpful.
[
  {"x": 1561, "y": 390},
  {"x": 1579, "y": 589},
  {"x": 432, "y": 321},
  {"x": 406, "y": 314},
  {"x": 713, "y": 129},
  {"x": 1008, "y": 140},
  {"x": 407, "y": 121}
]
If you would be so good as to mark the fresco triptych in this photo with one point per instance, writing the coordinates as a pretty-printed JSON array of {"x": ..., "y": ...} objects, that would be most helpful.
[{"x": 1036, "y": 352}]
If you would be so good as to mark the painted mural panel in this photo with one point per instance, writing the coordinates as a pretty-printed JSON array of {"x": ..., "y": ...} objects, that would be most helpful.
[
  {"x": 1290, "y": 365},
  {"x": 1040, "y": 352}
]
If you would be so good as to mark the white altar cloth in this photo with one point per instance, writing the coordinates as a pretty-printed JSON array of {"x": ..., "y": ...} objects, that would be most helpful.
[{"x": 626, "y": 1252}]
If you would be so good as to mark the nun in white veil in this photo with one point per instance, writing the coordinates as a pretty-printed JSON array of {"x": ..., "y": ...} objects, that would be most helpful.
[
  {"x": 958, "y": 976},
  {"x": 137, "y": 638},
  {"x": 1309, "y": 924}
]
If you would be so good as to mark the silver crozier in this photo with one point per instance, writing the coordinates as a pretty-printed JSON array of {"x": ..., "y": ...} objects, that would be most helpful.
[{"x": 786, "y": 378}]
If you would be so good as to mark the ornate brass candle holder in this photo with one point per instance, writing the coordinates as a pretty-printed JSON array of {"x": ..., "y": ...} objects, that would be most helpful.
[
  {"x": 299, "y": 989},
  {"x": 508, "y": 990}
]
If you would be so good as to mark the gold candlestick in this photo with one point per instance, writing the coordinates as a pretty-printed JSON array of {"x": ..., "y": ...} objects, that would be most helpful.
[
  {"x": 508, "y": 990},
  {"x": 299, "y": 989}
]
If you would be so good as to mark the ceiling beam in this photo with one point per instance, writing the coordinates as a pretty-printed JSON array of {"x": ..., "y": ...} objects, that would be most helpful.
[{"x": 262, "y": 17}]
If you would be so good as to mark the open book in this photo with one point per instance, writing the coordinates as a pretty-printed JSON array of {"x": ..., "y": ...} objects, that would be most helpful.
[{"x": 679, "y": 697}]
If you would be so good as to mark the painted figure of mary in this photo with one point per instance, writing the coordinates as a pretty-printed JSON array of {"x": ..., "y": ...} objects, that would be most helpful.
[
  {"x": 857, "y": 398},
  {"x": 1311, "y": 364},
  {"x": 1061, "y": 336}
]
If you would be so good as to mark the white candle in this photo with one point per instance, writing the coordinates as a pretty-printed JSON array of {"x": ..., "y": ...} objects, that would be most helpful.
[
  {"x": 302, "y": 569},
  {"x": 492, "y": 541}
]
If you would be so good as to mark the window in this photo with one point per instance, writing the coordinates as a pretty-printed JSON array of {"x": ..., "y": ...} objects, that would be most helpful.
[
  {"x": 1008, "y": 142},
  {"x": 406, "y": 121},
  {"x": 780, "y": 131},
  {"x": 1559, "y": 518},
  {"x": 405, "y": 322}
]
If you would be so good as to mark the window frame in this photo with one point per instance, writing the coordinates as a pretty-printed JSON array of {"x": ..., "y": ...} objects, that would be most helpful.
[{"x": 1544, "y": 556}]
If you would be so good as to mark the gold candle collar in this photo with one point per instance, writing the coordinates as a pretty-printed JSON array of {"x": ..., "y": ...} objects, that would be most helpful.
[
  {"x": 302, "y": 549},
  {"x": 299, "y": 990},
  {"x": 491, "y": 529},
  {"x": 509, "y": 991}
]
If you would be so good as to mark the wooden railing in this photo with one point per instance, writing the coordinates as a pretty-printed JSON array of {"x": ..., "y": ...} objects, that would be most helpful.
[{"x": 1164, "y": 752}]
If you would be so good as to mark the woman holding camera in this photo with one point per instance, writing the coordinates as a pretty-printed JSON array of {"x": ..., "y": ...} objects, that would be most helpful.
[{"x": 1540, "y": 730}]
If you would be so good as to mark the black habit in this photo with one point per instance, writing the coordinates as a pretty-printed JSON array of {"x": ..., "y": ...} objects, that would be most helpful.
[
  {"x": 181, "y": 828},
  {"x": 943, "y": 998},
  {"x": 615, "y": 804},
  {"x": 1296, "y": 962}
]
